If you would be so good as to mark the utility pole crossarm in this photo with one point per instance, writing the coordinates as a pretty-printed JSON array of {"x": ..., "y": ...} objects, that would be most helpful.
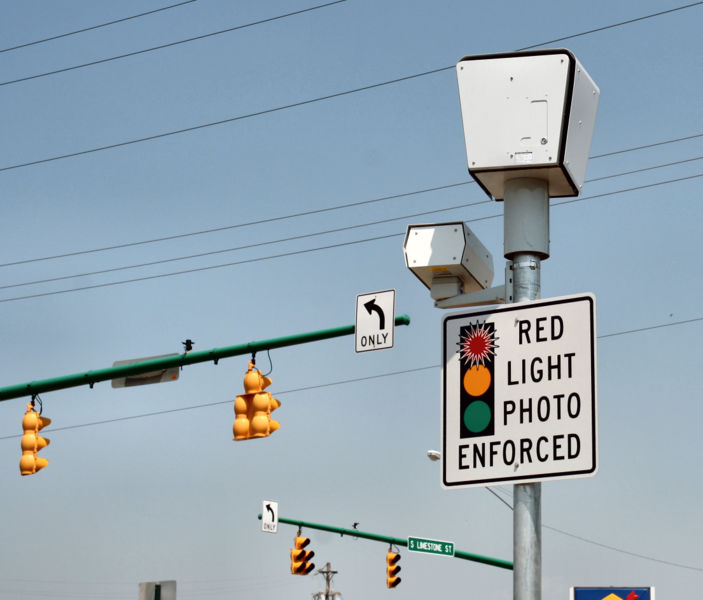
[
  {"x": 396, "y": 541},
  {"x": 180, "y": 360}
]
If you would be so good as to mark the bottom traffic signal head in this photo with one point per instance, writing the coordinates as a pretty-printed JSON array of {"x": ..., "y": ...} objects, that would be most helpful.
[
  {"x": 392, "y": 569},
  {"x": 300, "y": 558}
]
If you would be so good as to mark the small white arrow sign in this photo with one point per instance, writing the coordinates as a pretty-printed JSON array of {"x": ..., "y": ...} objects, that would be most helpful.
[
  {"x": 269, "y": 516},
  {"x": 375, "y": 321}
]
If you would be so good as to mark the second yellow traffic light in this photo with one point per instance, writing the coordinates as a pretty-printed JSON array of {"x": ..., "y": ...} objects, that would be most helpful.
[
  {"x": 392, "y": 569},
  {"x": 253, "y": 408},
  {"x": 32, "y": 442},
  {"x": 300, "y": 558}
]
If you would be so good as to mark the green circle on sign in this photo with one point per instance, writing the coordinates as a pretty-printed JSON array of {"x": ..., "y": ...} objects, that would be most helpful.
[{"x": 477, "y": 416}]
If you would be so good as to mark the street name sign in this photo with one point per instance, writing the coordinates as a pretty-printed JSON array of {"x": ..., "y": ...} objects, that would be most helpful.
[
  {"x": 519, "y": 393},
  {"x": 269, "y": 516},
  {"x": 375, "y": 321},
  {"x": 430, "y": 546}
]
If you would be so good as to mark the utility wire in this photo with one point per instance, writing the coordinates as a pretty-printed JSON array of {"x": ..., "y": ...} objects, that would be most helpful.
[
  {"x": 303, "y": 102},
  {"x": 198, "y": 269},
  {"x": 170, "y": 44},
  {"x": 673, "y": 141},
  {"x": 645, "y": 169},
  {"x": 339, "y": 207},
  {"x": 328, "y": 247},
  {"x": 307, "y": 235},
  {"x": 238, "y": 225},
  {"x": 658, "y": 560},
  {"x": 259, "y": 113},
  {"x": 245, "y": 247},
  {"x": 614, "y": 548},
  {"x": 503, "y": 500},
  {"x": 620, "y": 24},
  {"x": 324, "y": 385},
  {"x": 122, "y": 20}
]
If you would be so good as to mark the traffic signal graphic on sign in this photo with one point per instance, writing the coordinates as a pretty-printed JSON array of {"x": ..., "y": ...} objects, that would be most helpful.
[{"x": 477, "y": 370}]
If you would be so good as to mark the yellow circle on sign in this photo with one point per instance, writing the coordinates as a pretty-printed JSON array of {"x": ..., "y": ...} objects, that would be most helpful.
[{"x": 477, "y": 380}]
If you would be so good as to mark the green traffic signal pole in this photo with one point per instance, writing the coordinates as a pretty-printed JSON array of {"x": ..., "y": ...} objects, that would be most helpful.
[
  {"x": 486, "y": 560},
  {"x": 168, "y": 362}
]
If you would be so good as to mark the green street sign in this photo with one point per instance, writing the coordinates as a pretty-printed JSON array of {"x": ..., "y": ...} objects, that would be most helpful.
[{"x": 430, "y": 546}]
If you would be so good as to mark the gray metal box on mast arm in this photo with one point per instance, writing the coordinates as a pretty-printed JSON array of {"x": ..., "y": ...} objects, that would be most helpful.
[{"x": 527, "y": 114}]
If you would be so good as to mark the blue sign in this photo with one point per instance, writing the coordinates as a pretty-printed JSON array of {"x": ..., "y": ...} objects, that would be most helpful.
[{"x": 612, "y": 593}]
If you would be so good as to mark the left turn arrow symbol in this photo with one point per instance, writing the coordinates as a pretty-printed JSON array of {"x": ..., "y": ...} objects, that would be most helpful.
[{"x": 371, "y": 306}]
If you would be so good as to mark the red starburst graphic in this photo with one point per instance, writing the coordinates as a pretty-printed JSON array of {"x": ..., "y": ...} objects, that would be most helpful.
[{"x": 477, "y": 344}]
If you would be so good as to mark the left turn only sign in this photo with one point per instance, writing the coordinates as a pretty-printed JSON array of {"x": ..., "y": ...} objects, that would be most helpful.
[
  {"x": 269, "y": 516},
  {"x": 375, "y": 321}
]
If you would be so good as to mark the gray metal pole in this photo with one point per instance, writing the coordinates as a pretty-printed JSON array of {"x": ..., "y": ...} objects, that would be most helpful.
[{"x": 526, "y": 244}]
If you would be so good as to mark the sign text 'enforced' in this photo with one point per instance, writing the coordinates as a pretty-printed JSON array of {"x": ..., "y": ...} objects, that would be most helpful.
[
  {"x": 375, "y": 321},
  {"x": 519, "y": 393}
]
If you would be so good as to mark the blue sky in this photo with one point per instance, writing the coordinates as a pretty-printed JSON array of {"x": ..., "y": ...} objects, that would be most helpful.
[{"x": 171, "y": 496}]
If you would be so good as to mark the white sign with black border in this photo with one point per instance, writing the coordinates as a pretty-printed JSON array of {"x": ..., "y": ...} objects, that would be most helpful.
[
  {"x": 375, "y": 321},
  {"x": 269, "y": 516},
  {"x": 519, "y": 393}
]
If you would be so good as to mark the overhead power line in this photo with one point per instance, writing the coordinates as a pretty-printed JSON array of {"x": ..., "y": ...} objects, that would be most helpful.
[
  {"x": 607, "y": 546},
  {"x": 327, "y": 247},
  {"x": 239, "y": 225},
  {"x": 246, "y": 246},
  {"x": 169, "y": 45},
  {"x": 306, "y": 235},
  {"x": 77, "y": 31},
  {"x": 620, "y": 24},
  {"x": 259, "y": 113},
  {"x": 621, "y": 551},
  {"x": 645, "y": 146},
  {"x": 645, "y": 169},
  {"x": 299, "y": 103},
  {"x": 340, "y": 207}
]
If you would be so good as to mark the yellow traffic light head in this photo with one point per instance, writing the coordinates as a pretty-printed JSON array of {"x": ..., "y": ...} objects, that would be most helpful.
[
  {"x": 392, "y": 569},
  {"x": 254, "y": 381},
  {"x": 32, "y": 442},
  {"x": 300, "y": 558},
  {"x": 253, "y": 408},
  {"x": 242, "y": 414},
  {"x": 301, "y": 542}
]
